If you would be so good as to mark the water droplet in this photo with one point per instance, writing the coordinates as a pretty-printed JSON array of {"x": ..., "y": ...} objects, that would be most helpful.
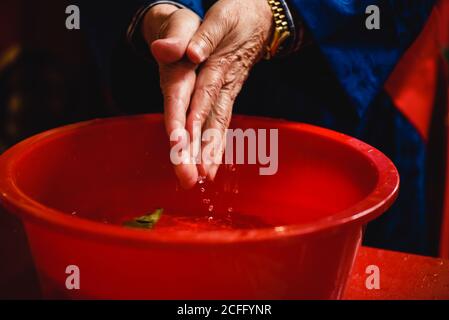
[
  {"x": 74, "y": 213},
  {"x": 211, "y": 208},
  {"x": 230, "y": 209},
  {"x": 206, "y": 201},
  {"x": 235, "y": 190},
  {"x": 201, "y": 179},
  {"x": 202, "y": 189},
  {"x": 210, "y": 219}
]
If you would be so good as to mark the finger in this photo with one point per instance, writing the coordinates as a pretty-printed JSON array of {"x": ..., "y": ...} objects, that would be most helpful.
[
  {"x": 218, "y": 121},
  {"x": 174, "y": 36},
  {"x": 177, "y": 83},
  {"x": 220, "y": 116},
  {"x": 207, "y": 38},
  {"x": 187, "y": 174},
  {"x": 209, "y": 83}
]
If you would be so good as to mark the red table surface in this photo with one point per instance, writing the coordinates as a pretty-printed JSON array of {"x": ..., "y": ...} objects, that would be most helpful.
[{"x": 402, "y": 276}]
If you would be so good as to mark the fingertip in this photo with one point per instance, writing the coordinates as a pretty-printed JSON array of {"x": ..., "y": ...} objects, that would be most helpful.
[
  {"x": 208, "y": 170},
  {"x": 167, "y": 50},
  {"x": 189, "y": 183},
  {"x": 187, "y": 175},
  {"x": 195, "y": 53},
  {"x": 212, "y": 172}
]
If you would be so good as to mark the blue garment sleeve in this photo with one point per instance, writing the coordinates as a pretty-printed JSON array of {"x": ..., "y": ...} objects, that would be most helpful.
[
  {"x": 194, "y": 5},
  {"x": 362, "y": 59}
]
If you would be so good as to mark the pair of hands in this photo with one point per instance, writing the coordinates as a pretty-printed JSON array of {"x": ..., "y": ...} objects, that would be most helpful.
[{"x": 203, "y": 66}]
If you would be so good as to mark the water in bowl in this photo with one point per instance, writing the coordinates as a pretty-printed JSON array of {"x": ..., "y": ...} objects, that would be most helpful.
[{"x": 208, "y": 206}]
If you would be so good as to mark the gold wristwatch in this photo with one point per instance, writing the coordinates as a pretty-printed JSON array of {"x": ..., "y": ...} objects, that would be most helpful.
[{"x": 281, "y": 30}]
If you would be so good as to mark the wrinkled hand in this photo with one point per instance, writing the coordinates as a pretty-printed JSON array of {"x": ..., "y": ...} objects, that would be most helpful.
[
  {"x": 168, "y": 31},
  {"x": 231, "y": 39}
]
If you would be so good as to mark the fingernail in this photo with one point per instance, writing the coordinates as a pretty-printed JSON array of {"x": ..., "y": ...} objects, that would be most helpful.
[
  {"x": 212, "y": 172},
  {"x": 198, "y": 52}
]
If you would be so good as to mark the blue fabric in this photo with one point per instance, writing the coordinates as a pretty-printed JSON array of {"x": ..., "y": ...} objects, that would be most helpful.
[
  {"x": 404, "y": 227},
  {"x": 363, "y": 59},
  {"x": 337, "y": 82}
]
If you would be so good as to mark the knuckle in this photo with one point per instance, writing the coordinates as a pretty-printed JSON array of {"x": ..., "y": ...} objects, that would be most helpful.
[
  {"x": 202, "y": 114},
  {"x": 217, "y": 66},
  {"x": 222, "y": 121},
  {"x": 210, "y": 90},
  {"x": 232, "y": 85},
  {"x": 206, "y": 39},
  {"x": 227, "y": 17},
  {"x": 172, "y": 99},
  {"x": 222, "y": 116}
]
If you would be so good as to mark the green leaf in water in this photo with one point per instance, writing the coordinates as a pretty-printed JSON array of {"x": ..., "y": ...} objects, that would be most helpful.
[{"x": 145, "y": 222}]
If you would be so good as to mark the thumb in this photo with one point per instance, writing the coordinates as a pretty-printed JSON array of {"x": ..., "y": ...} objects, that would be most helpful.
[
  {"x": 206, "y": 39},
  {"x": 174, "y": 36}
]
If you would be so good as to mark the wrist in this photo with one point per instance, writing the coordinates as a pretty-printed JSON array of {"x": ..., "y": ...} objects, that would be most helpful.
[
  {"x": 267, "y": 15},
  {"x": 153, "y": 20}
]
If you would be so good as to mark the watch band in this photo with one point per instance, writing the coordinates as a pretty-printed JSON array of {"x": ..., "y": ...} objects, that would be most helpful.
[{"x": 282, "y": 31}]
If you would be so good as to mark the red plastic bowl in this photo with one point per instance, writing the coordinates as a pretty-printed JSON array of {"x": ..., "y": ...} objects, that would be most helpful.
[{"x": 327, "y": 188}]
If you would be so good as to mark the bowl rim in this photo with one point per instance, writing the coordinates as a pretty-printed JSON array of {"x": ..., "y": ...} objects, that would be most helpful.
[{"x": 368, "y": 208}]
